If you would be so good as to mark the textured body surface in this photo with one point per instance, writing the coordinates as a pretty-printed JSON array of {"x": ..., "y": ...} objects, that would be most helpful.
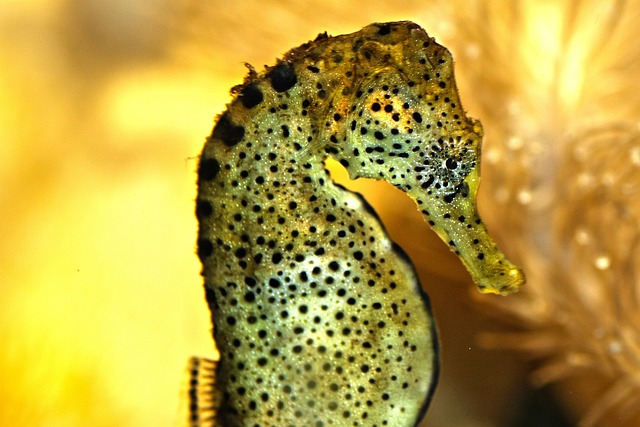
[{"x": 318, "y": 317}]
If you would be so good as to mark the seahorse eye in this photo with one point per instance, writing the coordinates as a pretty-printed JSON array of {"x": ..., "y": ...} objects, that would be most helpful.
[{"x": 450, "y": 164}]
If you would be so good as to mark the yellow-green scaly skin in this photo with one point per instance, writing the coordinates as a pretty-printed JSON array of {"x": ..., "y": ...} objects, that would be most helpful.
[{"x": 318, "y": 316}]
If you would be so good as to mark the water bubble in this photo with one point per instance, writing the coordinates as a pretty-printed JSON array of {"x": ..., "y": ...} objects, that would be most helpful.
[
  {"x": 603, "y": 262},
  {"x": 524, "y": 197}
]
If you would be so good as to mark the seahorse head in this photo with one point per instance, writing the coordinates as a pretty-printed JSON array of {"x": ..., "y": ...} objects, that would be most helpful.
[{"x": 399, "y": 119}]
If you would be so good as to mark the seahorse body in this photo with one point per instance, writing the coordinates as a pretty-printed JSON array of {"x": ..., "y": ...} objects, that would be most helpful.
[{"x": 319, "y": 318}]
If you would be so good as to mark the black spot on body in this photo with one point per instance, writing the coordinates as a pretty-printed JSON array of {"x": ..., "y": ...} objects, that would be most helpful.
[
  {"x": 282, "y": 77},
  {"x": 251, "y": 96},
  {"x": 249, "y": 297},
  {"x": 428, "y": 182},
  {"x": 205, "y": 248},
  {"x": 384, "y": 29},
  {"x": 274, "y": 283},
  {"x": 210, "y": 296},
  {"x": 227, "y": 132},
  {"x": 203, "y": 209},
  {"x": 208, "y": 169}
]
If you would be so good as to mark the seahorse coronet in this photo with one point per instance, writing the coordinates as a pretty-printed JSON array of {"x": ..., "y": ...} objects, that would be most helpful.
[{"x": 319, "y": 318}]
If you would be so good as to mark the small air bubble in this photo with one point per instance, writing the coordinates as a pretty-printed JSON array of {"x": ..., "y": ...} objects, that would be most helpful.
[
  {"x": 614, "y": 347},
  {"x": 502, "y": 195},
  {"x": 524, "y": 197},
  {"x": 492, "y": 156},
  {"x": 473, "y": 50},
  {"x": 581, "y": 153},
  {"x": 514, "y": 108},
  {"x": 584, "y": 180},
  {"x": 634, "y": 155},
  {"x": 582, "y": 236},
  {"x": 515, "y": 143},
  {"x": 608, "y": 179},
  {"x": 603, "y": 262},
  {"x": 445, "y": 28}
]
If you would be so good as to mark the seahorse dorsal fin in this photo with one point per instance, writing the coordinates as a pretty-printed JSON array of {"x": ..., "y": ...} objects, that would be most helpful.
[{"x": 202, "y": 397}]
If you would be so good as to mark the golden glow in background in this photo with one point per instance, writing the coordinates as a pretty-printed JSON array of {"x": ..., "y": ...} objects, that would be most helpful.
[{"x": 104, "y": 107}]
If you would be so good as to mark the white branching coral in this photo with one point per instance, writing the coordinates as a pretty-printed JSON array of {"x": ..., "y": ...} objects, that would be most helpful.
[{"x": 557, "y": 87}]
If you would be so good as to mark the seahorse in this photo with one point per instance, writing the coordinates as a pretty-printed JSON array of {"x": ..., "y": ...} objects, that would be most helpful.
[{"x": 319, "y": 318}]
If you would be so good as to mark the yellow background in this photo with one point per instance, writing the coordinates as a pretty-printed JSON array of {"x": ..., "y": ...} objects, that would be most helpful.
[{"x": 104, "y": 107}]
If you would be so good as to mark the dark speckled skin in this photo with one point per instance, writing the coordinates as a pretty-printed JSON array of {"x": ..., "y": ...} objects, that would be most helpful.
[{"x": 319, "y": 318}]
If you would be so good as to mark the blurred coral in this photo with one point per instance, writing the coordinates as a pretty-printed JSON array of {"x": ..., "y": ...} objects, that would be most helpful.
[{"x": 556, "y": 87}]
